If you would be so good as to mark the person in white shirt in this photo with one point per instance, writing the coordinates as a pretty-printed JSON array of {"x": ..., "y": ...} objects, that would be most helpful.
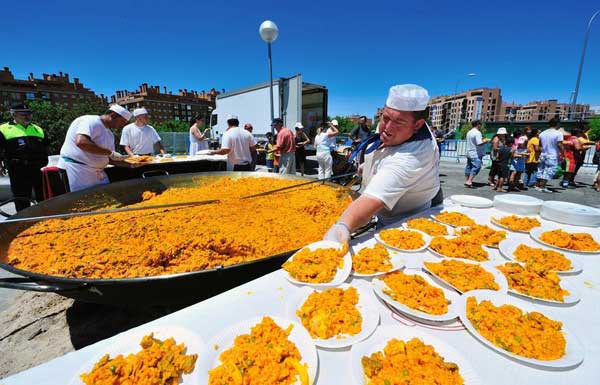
[
  {"x": 139, "y": 138},
  {"x": 89, "y": 145},
  {"x": 401, "y": 169},
  {"x": 551, "y": 141},
  {"x": 238, "y": 144},
  {"x": 198, "y": 138},
  {"x": 324, "y": 141},
  {"x": 475, "y": 152}
]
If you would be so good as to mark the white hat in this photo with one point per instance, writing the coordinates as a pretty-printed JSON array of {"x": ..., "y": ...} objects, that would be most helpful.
[
  {"x": 140, "y": 111},
  {"x": 121, "y": 111},
  {"x": 298, "y": 125},
  {"x": 334, "y": 122},
  {"x": 501, "y": 131},
  {"x": 522, "y": 140},
  {"x": 407, "y": 97},
  {"x": 231, "y": 117}
]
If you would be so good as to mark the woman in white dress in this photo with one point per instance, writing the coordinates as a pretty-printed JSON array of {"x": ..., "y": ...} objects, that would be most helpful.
[{"x": 198, "y": 140}]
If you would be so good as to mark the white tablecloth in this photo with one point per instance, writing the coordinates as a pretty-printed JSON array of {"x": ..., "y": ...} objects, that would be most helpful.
[{"x": 268, "y": 295}]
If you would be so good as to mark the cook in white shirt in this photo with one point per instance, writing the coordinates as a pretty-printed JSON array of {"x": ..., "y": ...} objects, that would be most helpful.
[
  {"x": 238, "y": 144},
  {"x": 88, "y": 146},
  {"x": 139, "y": 138},
  {"x": 401, "y": 170}
]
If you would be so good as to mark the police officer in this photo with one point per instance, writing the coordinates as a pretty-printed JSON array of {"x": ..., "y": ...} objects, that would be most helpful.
[{"x": 24, "y": 151}]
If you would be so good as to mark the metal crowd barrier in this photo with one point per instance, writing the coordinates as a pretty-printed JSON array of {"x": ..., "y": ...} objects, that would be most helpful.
[{"x": 457, "y": 149}]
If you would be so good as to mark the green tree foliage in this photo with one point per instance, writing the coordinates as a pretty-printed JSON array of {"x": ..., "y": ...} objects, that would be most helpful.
[
  {"x": 464, "y": 128},
  {"x": 345, "y": 124},
  {"x": 55, "y": 119},
  {"x": 594, "y": 132},
  {"x": 173, "y": 126}
]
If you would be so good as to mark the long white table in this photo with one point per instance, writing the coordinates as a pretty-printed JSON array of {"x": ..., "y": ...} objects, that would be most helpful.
[{"x": 268, "y": 295}]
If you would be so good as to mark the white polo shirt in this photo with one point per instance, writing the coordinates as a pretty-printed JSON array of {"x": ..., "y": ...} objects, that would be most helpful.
[
  {"x": 140, "y": 139},
  {"x": 238, "y": 140},
  {"x": 404, "y": 177}
]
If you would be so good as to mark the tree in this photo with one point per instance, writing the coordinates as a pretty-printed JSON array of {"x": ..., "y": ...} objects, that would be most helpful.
[
  {"x": 594, "y": 123},
  {"x": 173, "y": 126},
  {"x": 345, "y": 124},
  {"x": 464, "y": 128}
]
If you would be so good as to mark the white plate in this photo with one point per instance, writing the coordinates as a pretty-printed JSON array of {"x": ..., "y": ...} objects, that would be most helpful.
[
  {"x": 457, "y": 230},
  {"x": 384, "y": 334},
  {"x": 456, "y": 210},
  {"x": 341, "y": 275},
  {"x": 367, "y": 306},
  {"x": 129, "y": 342},
  {"x": 538, "y": 231},
  {"x": 571, "y": 213},
  {"x": 426, "y": 238},
  {"x": 379, "y": 285},
  {"x": 498, "y": 276},
  {"x": 493, "y": 222},
  {"x": 225, "y": 340},
  {"x": 570, "y": 299},
  {"x": 517, "y": 204},
  {"x": 471, "y": 201},
  {"x": 395, "y": 258},
  {"x": 448, "y": 228},
  {"x": 508, "y": 246},
  {"x": 462, "y": 259},
  {"x": 574, "y": 352}
]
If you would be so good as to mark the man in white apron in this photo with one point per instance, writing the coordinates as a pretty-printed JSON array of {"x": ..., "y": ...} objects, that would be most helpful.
[
  {"x": 400, "y": 170},
  {"x": 89, "y": 145}
]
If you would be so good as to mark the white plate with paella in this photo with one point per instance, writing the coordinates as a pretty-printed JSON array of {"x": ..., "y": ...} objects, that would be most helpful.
[
  {"x": 464, "y": 275},
  {"x": 551, "y": 259}
]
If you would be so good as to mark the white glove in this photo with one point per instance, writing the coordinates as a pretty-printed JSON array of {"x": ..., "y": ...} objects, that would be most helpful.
[
  {"x": 116, "y": 156},
  {"x": 338, "y": 233}
]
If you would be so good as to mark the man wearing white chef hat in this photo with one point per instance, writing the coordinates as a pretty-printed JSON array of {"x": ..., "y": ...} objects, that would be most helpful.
[
  {"x": 139, "y": 138},
  {"x": 400, "y": 169},
  {"x": 88, "y": 146}
]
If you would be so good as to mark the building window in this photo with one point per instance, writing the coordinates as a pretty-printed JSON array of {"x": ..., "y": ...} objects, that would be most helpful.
[{"x": 29, "y": 95}]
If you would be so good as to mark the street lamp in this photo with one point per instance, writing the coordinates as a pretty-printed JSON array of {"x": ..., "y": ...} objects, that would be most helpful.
[
  {"x": 269, "y": 32},
  {"x": 585, "y": 40},
  {"x": 455, "y": 97}
]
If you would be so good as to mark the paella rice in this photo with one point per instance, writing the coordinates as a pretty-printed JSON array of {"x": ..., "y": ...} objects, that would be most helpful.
[
  {"x": 182, "y": 239},
  {"x": 158, "y": 363},
  {"x": 331, "y": 313},
  {"x": 264, "y": 356},
  {"x": 544, "y": 259},
  {"x": 534, "y": 283},
  {"x": 516, "y": 223},
  {"x": 463, "y": 276},
  {"x": 482, "y": 234},
  {"x": 402, "y": 239},
  {"x": 531, "y": 335},
  {"x": 315, "y": 266},
  {"x": 454, "y": 219},
  {"x": 415, "y": 292},
  {"x": 427, "y": 226},
  {"x": 409, "y": 362},
  {"x": 572, "y": 241},
  {"x": 371, "y": 260},
  {"x": 459, "y": 247}
]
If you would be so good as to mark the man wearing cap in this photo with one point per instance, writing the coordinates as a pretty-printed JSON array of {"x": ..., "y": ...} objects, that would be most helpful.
[
  {"x": 248, "y": 127},
  {"x": 238, "y": 144},
  {"x": 24, "y": 151},
  {"x": 400, "y": 169},
  {"x": 286, "y": 146},
  {"x": 301, "y": 140},
  {"x": 89, "y": 145},
  {"x": 139, "y": 138}
]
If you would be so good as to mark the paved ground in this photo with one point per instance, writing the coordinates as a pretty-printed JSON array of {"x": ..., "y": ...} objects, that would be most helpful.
[{"x": 36, "y": 327}]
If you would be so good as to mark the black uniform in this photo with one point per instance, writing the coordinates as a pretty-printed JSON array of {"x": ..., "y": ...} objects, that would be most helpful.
[{"x": 24, "y": 152}]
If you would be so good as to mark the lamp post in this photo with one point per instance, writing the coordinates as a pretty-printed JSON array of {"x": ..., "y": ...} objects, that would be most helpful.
[
  {"x": 585, "y": 40},
  {"x": 455, "y": 97},
  {"x": 269, "y": 32}
]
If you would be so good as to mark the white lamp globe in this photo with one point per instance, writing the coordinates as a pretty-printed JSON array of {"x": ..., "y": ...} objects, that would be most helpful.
[{"x": 268, "y": 31}]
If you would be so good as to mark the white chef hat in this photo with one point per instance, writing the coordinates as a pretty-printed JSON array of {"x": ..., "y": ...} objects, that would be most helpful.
[
  {"x": 501, "y": 131},
  {"x": 229, "y": 117},
  {"x": 140, "y": 111},
  {"x": 121, "y": 111},
  {"x": 407, "y": 97}
]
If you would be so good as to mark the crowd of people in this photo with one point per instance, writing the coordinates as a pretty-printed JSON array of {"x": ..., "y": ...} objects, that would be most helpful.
[{"x": 529, "y": 159}]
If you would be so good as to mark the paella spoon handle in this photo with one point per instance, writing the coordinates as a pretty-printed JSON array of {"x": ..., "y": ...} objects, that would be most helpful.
[{"x": 163, "y": 206}]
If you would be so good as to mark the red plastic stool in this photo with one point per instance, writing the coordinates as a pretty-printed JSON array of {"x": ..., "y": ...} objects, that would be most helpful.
[{"x": 54, "y": 182}]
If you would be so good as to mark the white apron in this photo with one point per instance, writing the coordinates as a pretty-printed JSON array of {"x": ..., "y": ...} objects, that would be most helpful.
[{"x": 82, "y": 176}]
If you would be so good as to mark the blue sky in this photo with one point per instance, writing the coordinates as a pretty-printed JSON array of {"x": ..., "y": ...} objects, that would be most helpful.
[{"x": 358, "y": 49}]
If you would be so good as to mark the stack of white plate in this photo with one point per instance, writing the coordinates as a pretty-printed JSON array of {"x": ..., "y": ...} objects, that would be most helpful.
[
  {"x": 471, "y": 201},
  {"x": 518, "y": 204},
  {"x": 571, "y": 213}
]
